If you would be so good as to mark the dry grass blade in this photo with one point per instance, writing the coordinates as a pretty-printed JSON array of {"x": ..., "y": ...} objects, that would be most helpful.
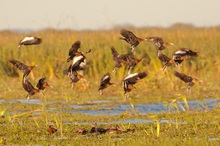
[{"x": 26, "y": 113}]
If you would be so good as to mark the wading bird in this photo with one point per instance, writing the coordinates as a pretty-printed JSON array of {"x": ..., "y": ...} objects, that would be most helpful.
[
  {"x": 166, "y": 61},
  {"x": 158, "y": 42},
  {"x": 29, "y": 40},
  {"x": 130, "y": 38},
  {"x": 104, "y": 83},
  {"x": 22, "y": 67},
  {"x": 129, "y": 81},
  {"x": 182, "y": 54},
  {"x": 187, "y": 79}
]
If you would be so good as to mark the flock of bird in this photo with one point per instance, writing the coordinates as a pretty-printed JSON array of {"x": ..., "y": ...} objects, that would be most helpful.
[
  {"x": 79, "y": 61},
  {"x": 28, "y": 87}
]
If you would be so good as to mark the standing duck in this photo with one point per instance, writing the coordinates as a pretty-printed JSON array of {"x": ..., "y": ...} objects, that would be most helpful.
[
  {"x": 81, "y": 131},
  {"x": 187, "y": 79},
  {"x": 29, "y": 40},
  {"x": 130, "y": 80},
  {"x": 51, "y": 128},
  {"x": 98, "y": 130},
  {"x": 105, "y": 82},
  {"x": 158, "y": 42},
  {"x": 130, "y": 38},
  {"x": 114, "y": 129}
]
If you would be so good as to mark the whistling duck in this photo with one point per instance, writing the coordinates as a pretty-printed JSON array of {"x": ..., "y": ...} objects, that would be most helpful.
[
  {"x": 96, "y": 129},
  {"x": 158, "y": 42},
  {"x": 78, "y": 63},
  {"x": 130, "y": 38},
  {"x": 120, "y": 60},
  {"x": 29, "y": 40},
  {"x": 82, "y": 131},
  {"x": 74, "y": 51},
  {"x": 130, "y": 80},
  {"x": 51, "y": 129},
  {"x": 187, "y": 79},
  {"x": 105, "y": 82},
  {"x": 42, "y": 84},
  {"x": 28, "y": 87},
  {"x": 182, "y": 54},
  {"x": 132, "y": 62},
  {"x": 131, "y": 129},
  {"x": 73, "y": 75},
  {"x": 166, "y": 61},
  {"x": 114, "y": 129},
  {"x": 22, "y": 67}
]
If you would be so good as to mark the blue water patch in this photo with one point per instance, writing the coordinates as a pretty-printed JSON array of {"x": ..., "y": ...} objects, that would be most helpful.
[
  {"x": 112, "y": 110},
  {"x": 206, "y": 104},
  {"x": 127, "y": 121},
  {"x": 32, "y": 101},
  {"x": 106, "y": 108},
  {"x": 2, "y": 100}
]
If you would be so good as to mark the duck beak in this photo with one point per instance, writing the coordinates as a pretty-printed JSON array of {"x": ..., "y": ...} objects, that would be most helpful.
[
  {"x": 172, "y": 44},
  {"x": 41, "y": 93},
  {"x": 147, "y": 38},
  {"x": 50, "y": 86},
  {"x": 197, "y": 80}
]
